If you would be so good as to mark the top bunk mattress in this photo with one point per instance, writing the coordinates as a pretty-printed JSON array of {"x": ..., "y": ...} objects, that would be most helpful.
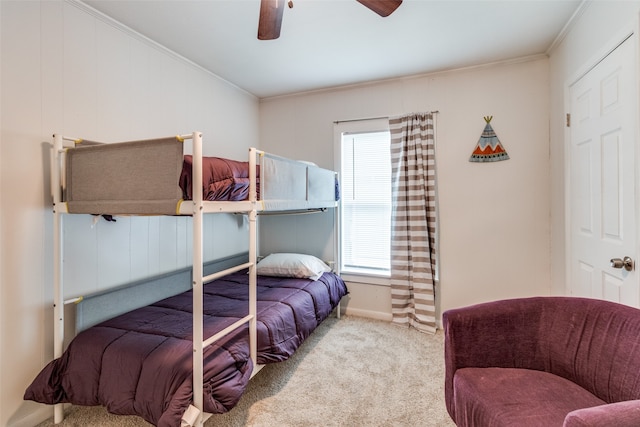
[{"x": 154, "y": 177}]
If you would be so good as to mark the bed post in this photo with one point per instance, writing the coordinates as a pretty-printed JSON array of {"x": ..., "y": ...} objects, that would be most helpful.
[
  {"x": 253, "y": 242},
  {"x": 337, "y": 249},
  {"x": 58, "y": 291},
  {"x": 198, "y": 371}
]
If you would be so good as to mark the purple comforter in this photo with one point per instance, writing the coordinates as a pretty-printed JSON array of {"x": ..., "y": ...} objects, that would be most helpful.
[
  {"x": 222, "y": 179},
  {"x": 140, "y": 362}
]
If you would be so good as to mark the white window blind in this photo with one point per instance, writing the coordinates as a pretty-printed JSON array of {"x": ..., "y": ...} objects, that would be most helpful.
[{"x": 366, "y": 202}]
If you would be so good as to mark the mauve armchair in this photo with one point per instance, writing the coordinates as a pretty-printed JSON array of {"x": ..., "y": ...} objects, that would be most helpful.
[{"x": 543, "y": 361}]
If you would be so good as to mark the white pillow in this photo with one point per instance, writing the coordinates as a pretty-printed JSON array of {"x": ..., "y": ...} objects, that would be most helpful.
[
  {"x": 308, "y": 163},
  {"x": 292, "y": 265}
]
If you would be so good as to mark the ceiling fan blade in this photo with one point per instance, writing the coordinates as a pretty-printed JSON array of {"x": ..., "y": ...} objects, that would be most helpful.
[
  {"x": 270, "y": 19},
  {"x": 382, "y": 7}
]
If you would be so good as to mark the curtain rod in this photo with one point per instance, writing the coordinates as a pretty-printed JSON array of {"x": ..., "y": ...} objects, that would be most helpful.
[{"x": 371, "y": 118}]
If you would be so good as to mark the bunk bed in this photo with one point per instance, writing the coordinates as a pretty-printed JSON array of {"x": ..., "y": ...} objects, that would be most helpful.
[{"x": 190, "y": 354}]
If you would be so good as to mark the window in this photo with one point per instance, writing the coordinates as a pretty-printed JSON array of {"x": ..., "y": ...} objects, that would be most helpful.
[{"x": 365, "y": 213}]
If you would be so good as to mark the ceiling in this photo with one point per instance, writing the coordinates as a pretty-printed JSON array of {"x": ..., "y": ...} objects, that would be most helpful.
[{"x": 328, "y": 43}]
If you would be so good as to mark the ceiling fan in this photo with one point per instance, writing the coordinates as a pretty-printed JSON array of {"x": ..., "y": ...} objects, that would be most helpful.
[{"x": 271, "y": 14}]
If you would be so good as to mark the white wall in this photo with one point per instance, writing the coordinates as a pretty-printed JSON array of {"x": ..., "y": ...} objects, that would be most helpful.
[
  {"x": 596, "y": 31},
  {"x": 494, "y": 218},
  {"x": 67, "y": 70}
]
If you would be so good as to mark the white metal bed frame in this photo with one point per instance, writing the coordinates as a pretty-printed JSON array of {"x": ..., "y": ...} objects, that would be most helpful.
[{"x": 195, "y": 208}]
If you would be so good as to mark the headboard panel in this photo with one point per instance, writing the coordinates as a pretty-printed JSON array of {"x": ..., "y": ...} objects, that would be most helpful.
[{"x": 101, "y": 306}]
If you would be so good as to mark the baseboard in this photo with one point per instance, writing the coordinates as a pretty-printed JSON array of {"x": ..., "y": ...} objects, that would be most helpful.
[
  {"x": 368, "y": 314},
  {"x": 33, "y": 418}
]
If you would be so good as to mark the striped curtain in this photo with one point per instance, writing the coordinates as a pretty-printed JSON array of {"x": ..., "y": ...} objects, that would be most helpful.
[{"x": 413, "y": 221}]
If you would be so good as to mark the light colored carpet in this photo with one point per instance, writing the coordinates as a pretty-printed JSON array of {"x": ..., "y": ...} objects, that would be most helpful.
[{"x": 350, "y": 372}]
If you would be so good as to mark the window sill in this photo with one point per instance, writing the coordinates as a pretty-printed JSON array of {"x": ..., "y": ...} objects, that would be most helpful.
[{"x": 368, "y": 279}]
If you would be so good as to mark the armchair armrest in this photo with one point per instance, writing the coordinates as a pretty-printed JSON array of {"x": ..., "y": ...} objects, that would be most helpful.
[
  {"x": 619, "y": 414},
  {"x": 496, "y": 334}
]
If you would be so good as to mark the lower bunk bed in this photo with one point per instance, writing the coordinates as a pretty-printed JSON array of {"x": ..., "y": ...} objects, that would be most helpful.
[{"x": 140, "y": 363}]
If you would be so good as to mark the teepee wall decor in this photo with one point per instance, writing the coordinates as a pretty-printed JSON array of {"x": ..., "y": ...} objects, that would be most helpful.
[{"x": 489, "y": 148}]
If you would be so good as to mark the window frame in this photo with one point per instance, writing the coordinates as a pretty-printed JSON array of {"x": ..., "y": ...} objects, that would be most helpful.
[{"x": 355, "y": 126}]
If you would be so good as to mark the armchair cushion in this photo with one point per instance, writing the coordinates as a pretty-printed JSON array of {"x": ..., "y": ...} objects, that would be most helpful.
[{"x": 507, "y": 397}]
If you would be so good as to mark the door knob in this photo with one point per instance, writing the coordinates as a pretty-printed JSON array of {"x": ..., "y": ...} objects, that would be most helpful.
[{"x": 626, "y": 263}]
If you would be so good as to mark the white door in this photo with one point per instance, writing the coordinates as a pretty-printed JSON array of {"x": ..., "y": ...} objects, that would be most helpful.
[{"x": 603, "y": 155}]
